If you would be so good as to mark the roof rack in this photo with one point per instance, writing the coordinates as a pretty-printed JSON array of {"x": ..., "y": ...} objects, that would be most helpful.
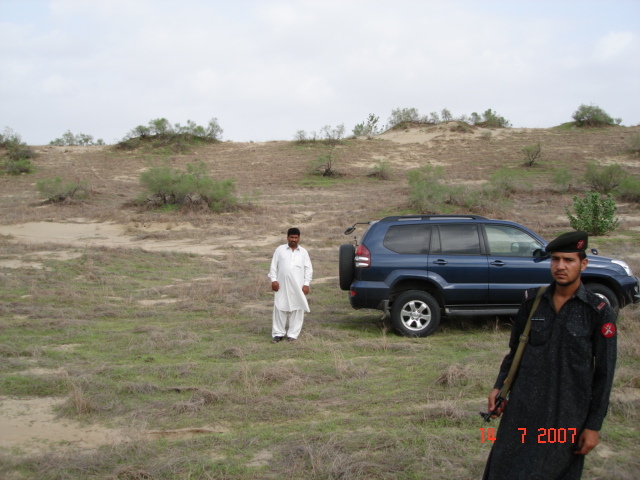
[{"x": 405, "y": 218}]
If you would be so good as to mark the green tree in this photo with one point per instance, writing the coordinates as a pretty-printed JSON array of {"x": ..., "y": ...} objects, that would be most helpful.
[
  {"x": 369, "y": 128},
  {"x": 594, "y": 214},
  {"x": 402, "y": 116},
  {"x": 592, "y": 116}
]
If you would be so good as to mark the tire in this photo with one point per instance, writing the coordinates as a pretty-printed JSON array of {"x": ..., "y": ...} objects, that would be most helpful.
[
  {"x": 606, "y": 294},
  {"x": 346, "y": 265},
  {"x": 415, "y": 314}
]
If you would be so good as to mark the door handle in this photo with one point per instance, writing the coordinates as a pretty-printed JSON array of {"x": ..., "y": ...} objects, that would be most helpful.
[
  {"x": 440, "y": 262},
  {"x": 498, "y": 263}
]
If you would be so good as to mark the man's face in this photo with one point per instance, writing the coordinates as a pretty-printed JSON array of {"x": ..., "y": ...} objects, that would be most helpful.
[
  {"x": 293, "y": 241},
  {"x": 566, "y": 267}
]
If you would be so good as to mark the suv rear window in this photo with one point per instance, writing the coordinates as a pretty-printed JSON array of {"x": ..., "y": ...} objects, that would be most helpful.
[
  {"x": 408, "y": 239},
  {"x": 461, "y": 239}
]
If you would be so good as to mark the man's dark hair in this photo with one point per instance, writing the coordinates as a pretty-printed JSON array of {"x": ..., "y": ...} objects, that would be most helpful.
[
  {"x": 293, "y": 231},
  {"x": 582, "y": 255}
]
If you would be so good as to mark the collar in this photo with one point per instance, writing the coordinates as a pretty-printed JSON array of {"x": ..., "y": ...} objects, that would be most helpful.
[{"x": 580, "y": 293}]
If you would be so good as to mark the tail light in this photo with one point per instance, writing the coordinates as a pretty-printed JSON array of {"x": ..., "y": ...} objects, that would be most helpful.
[{"x": 363, "y": 257}]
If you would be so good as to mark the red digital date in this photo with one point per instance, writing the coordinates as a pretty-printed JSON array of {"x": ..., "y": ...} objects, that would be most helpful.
[{"x": 545, "y": 435}]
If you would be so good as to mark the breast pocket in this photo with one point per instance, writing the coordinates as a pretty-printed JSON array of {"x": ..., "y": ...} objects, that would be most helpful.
[
  {"x": 578, "y": 336},
  {"x": 540, "y": 332}
]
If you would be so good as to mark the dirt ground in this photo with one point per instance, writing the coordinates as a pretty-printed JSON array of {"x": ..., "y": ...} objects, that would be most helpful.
[{"x": 272, "y": 178}]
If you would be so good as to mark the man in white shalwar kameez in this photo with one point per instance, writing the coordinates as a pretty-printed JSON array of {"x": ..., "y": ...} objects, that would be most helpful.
[{"x": 290, "y": 275}]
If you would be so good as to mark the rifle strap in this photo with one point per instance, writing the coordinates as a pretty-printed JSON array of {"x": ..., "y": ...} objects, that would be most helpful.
[{"x": 506, "y": 386}]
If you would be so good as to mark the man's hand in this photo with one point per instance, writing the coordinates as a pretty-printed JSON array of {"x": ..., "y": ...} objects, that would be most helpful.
[
  {"x": 275, "y": 286},
  {"x": 587, "y": 440},
  {"x": 492, "y": 403},
  {"x": 305, "y": 289}
]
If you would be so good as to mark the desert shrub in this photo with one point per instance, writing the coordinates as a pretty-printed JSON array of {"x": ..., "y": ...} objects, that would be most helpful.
[
  {"x": 69, "y": 139},
  {"x": 402, "y": 116},
  {"x": 446, "y": 115},
  {"x": 18, "y": 153},
  {"x": 591, "y": 116},
  {"x": 428, "y": 193},
  {"x": 594, "y": 214},
  {"x": 604, "y": 179},
  {"x": 426, "y": 190},
  {"x": 166, "y": 185},
  {"x": 159, "y": 133},
  {"x": 381, "y": 170},
  {"x": 332, "y": 135},
  {"x": 59, "y": 190},
  {"x": 328, "y": 135},
  {"x": 506, "y": 181},
  {"x": 324, "y": 165},
  {"x": 635, "y": 143},
  {"x": 369, "y": 128},
  {"x": 562, "y": 178},
  {"x": 489, "y": 119},
  {"x": 629, "y": 189},
  {"x": 531, "y": 153}
]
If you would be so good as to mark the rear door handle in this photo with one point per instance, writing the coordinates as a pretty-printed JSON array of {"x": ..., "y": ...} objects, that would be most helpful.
[
  {"x": 440, "y": 262},
  {"x": 498, "y": 263}
]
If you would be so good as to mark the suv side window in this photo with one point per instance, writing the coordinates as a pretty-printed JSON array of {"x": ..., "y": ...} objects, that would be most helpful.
[
  {"x": 408, "y": 239},
  {"x": 461, "y": 239},
  {"x": 505, "y": 241}
]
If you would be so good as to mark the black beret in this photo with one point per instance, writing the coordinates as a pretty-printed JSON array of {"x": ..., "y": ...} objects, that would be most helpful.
[{"x": 569, "y": 242}]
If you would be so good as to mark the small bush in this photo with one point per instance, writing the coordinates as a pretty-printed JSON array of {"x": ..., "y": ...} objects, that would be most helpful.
[
  {"x": 166, "y": 185},
  {"x": 489, "y": 119},
  {"x": 324, "y": 166},
  {"x": 426, "y": 190},
  {"x": 161, "y": 134},
  {"x": 506, "y": 180},
  {"x": 400, "y": 117},
  {"x": 604, "y": 179},
  {"x": 592, "y": 116},
  {"x": 328, "y": 135},
  {"x": 59, "y": 190},
  {"x": 382, "y": 170},
  {"x": 635, "y": 143},
  {"x": 562, "y": 178},
  {"x": 593, "y": 214},
  {"x": 629, "y": 189},
  {"x": 531, "y": 154},
  {"x": 69, "y": 139},
  {"x": 18, "y": 153},
  {"x": 369, "y": 128}
]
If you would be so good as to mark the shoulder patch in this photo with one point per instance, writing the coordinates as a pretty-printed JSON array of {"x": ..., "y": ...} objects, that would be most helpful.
[
  {"x": 526, "y": 294},
  {"x": 608, "y": 330},
  {"x": 601, "y": 306}
]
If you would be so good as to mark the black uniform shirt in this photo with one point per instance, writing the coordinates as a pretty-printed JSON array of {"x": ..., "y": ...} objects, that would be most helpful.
[{"x": 562, "y": 387}]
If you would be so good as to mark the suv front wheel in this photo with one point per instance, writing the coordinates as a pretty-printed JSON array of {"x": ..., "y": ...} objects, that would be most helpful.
[{"x": 415, "y": 314}]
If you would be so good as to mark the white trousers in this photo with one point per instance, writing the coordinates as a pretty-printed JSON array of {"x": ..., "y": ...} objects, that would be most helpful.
[{"x": 280, "y": 318}]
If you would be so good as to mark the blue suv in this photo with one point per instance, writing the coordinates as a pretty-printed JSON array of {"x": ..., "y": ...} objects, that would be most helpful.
[{"x": 419, "y": 268}]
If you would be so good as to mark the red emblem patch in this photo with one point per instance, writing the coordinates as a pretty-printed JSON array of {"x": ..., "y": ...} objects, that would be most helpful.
[
  {"x": 580, "y": 244},
  {"x": 601, "y": 306},
  {"x": 608, "y": 330}
]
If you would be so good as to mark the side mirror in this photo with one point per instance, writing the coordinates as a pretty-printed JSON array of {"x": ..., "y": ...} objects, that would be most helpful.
[
  {"x": 540, "y": 253},
  {"x": 350, "y": 230},
  {"x": 594, "y": 251}
]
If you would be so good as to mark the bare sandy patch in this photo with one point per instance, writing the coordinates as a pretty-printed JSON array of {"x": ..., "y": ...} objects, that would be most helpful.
[
  {"x": 103, "y": 234},
  {"x": 30, "y": 423}
]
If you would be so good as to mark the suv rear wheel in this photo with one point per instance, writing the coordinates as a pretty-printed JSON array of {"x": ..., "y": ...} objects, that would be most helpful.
[
  {"x": 346, "y": 266},
  {"x": 415, "y": 314}
]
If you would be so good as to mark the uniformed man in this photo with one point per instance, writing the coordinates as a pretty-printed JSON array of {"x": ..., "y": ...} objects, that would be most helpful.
[{"x": 560, "y": 396}]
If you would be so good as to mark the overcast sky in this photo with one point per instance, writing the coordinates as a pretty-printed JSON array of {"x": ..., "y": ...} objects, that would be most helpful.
[{"x": 266, "y": 69}]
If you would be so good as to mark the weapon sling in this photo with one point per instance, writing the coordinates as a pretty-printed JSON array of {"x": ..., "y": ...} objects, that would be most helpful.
[{"x": 524, "y": 338}]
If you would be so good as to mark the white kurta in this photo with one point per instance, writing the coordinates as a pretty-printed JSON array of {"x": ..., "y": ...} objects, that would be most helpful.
[{"x": 292, "y": 270}]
